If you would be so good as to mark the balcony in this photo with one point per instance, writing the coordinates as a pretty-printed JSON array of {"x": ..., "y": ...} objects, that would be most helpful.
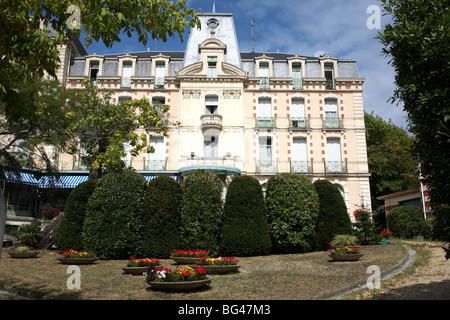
[
  {"x": 297, "y": 84},
  {"x": 265, "y": 122},
  {"x": 335, "y": 166},
  {"x": 159, "y": 82},
  {"x": 266, "y": 166},
  {"x": 329, "y": 84},
  {"x": 211, "y": 121},
  {"x": 264, "y": 83},
  {"x": 126, "y": 82},
  {"x": 299, "y": 123},
  {"x": 301, "y": 167},
  {"x": 332, "y": 123},
  {"x": 226, "y": 161}
]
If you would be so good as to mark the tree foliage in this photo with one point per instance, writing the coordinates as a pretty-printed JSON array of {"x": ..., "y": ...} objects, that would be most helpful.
[
  {"x": 201, "y": 211},
  {"x": 68, "y": 234},
  {"x": 293, "y": 206},
  {"x": 162, "y": 222},
  {"x": 333, "y": 218},
  {"x": 245, "y": 227},
  {"x": 113, "y": 226},
  {"x": 407, "y": 222},
  {"x": 101, "y": 128},
  {"x": 392, "y": 162},
  {"x": 417, "y": 41}
]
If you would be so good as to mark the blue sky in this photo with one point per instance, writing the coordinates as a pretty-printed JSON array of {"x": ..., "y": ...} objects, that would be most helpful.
[{"x": 338, "y": 27}]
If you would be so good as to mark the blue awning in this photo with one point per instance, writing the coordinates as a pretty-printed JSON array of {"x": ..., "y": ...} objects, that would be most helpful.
[
  {"x": 148, "y": 178},
  {"x": 61, "y": 181},
  {"x": 23, "y": 177}
]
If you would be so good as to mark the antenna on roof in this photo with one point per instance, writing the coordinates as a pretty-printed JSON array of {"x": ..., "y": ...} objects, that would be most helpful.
[{"x": 252, "y": 21}]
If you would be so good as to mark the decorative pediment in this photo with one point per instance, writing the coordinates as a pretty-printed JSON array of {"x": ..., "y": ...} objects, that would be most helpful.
[
  {"x": 212, "y": 43},
  {"x": 230, "y": 69},
  {"x": 193, "y": 69}
]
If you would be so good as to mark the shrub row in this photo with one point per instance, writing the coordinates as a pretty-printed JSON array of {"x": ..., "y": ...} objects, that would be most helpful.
[{"x": 123, "y": 216}]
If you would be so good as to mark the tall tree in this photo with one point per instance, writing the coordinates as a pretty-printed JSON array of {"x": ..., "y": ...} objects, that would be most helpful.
[
  {"x": 24, "y": 44},
  {"x": 392, "y": 162},
  {"x": 418, "y": 43},
  {"x": 101, "y": 128}
]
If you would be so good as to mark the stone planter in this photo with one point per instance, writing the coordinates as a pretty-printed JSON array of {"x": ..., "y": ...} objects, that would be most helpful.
[
  {"x": 180, "y": 285},
  {"x": 136, "y": 270},
  {"x": 77, "y": 260},
  {"x": 346, "y": 257},
  {"x": 184, "y": 260},
  {"x": 23, "y": 255},
  {"x": 217, "y": 269}
]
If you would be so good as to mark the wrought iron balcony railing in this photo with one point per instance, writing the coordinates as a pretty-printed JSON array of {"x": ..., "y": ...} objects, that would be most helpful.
[
  {"x": 265, "y": 122},
  {"x": 266, "y": 166},
  {"x": 299, "y": 123},
  {"x": 335, "y": 167},
  {"x": 332, "y": 123},
  {"x": 302, "y": 167}
]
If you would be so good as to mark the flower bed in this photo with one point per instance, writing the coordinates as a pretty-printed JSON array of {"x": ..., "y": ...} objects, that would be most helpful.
[
  {"x": 218, "y": 265},
  {"x": 188, "y": 256},
  {"x": 140, "y": 266},
  {"x": 50, "y": 213},
  {"x": 343, "y": 250},
  {"x": 226, "y": 261},
  {"x": 146, "y": 262},
  {"x": 182, "y": 278},
  {"x": 22, "y": 252},
  {"x": 345, "y": 253},
  {"x": 77, "y": 257}
]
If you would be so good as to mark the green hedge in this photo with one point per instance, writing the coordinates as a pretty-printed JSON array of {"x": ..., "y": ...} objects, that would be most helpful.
[
  {"x": 245, "y": 227},
  {"x": 68, "y": 234},
  {"x": 293, "y": 206},
  {"x": 162, "y": 218},
  {"x": 201, "y": 211},
  {"x": 407, "y": 222},
  {"x": 113, "y": 226},
  {"x": 333, "y": 217}
]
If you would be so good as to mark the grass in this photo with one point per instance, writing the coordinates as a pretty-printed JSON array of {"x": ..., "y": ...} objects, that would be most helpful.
[{"x": 280, "y": 277}]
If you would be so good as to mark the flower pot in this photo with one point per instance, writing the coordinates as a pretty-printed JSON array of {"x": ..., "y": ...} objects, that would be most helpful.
[
  {"x": 184, "y": 260},
  {"x": 23, "y": 255},
  {"x": 218, "y": 269},
  {"x": 346, "y": 257},
  {"x": 135, "y": 270},
  {"x": 180, "y": 285},
  {"x": 77, "y": 260}
]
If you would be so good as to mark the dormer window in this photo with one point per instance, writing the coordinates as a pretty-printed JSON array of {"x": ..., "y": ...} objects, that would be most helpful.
[
  {"x": 264, "y": 75},
  {"x": 160, "y": 73},
  {"x": 297, "y": 76},
  {"x": 93, "y": 71},
  {"x": 329, "y": 76},
  {"x": 126, "y": 74},
  {"x": 212, "y": 67}
]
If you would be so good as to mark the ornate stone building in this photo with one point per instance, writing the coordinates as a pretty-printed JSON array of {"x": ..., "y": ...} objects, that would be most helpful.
[{"x": 239, "y": 113}]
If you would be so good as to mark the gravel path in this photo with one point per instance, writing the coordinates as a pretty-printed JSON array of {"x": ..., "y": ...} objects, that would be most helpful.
[{"x": 430, "y": 281}]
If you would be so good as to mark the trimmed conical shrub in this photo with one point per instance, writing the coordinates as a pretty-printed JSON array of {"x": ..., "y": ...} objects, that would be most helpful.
[
  {"x": 113, "y": 227},
  {"x": 293, "y": 206},
  {"x": 201, "y": 211},
  {"x": 68, "y": 234},
  {"x": 333, "y": 218},
  {"x": 162, "y": 217},
  {"x": 245, "y": 227}
]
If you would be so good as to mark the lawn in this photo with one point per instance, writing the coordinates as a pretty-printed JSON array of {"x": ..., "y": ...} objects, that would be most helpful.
[{"x": 280, "y": 277}]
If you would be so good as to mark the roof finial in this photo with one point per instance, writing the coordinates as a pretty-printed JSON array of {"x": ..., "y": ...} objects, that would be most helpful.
[{"x": 214, "y": 6}]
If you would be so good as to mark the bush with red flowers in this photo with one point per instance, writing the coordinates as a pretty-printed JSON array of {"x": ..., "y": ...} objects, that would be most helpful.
[{"x": 50, "y": 213}]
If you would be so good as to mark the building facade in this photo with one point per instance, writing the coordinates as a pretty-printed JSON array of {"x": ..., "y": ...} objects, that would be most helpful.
[{"x": 239, "y": 113}]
